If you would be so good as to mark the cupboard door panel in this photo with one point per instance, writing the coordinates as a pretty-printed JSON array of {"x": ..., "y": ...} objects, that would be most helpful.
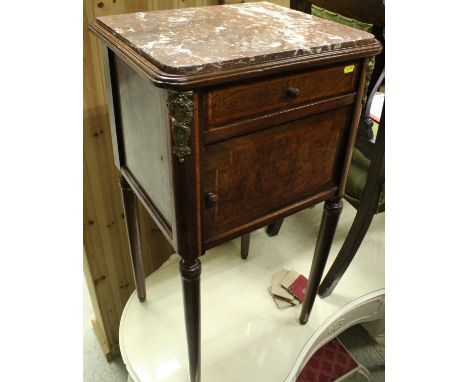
[{"x": 256, "y": 174}]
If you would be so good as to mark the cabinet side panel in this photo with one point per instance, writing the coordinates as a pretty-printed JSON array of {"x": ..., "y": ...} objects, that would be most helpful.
[{"x": 145, "y": 134}]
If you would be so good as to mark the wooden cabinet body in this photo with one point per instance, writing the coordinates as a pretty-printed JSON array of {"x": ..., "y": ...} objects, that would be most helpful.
[
  {"x": 263, "y": 152},
  {"x": 216, "y": 147},
  {"x": 265, "y": 173}
]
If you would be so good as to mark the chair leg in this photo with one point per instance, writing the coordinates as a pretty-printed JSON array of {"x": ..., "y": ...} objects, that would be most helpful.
[
  {"x": 347, "y": 252},
  {"x": 274, "y": 228},
  {"x": 364, "y": 215},
  {"x": 134, "y": 240},
  {"x": 330, "y": 217},
  {"x": 245, "y": 244}
]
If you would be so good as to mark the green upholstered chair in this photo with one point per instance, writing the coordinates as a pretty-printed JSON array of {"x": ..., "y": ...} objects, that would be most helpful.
[
  {"x": 366, "y": 178},
  {"x": 356, "y": 182}
]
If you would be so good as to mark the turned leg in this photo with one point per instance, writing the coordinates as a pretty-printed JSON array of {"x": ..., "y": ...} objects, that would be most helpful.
[
  {"x": 190, "y": 271},
  {"x": 330, "y": 216},
  {"x": 245, "y": 244},
  {"x": 273, "y": 229},
  {"x": 134, "y": 241}
]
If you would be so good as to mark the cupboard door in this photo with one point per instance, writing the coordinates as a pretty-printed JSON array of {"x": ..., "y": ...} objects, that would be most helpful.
[{"x": 248, "y": 177}]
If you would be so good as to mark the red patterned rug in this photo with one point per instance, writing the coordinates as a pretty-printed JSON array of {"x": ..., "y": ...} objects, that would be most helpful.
[{"x": 328, "y": 363}]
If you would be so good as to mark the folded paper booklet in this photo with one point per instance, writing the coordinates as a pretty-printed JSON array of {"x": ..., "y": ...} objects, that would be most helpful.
[
  {"x": 296, "y": 284},
  {"x": 299, "y": 287},
  {"x": 276, "y": 287},
  {"x": 279, "y": 290},
  {"x": 282, "y": 303},
  {"x": 289, "y": 278}
]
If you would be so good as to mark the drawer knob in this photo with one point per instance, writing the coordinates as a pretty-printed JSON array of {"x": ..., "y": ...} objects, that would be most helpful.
[
  {"x": 211, "y": 198},
  {"x": 292, "y": 93}
]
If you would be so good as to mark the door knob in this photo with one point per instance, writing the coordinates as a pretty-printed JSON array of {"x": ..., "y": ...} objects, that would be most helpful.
[
  {"x": 210, "y": 198},
  {"x": 292, "y": 93}
]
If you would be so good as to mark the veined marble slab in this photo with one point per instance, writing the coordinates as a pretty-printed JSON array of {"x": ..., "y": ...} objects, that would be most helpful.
[
  {"x": 204, "y": 39},
  {"x": 245, "y": 337}
]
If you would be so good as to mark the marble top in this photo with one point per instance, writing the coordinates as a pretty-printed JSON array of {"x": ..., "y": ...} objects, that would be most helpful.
[{"x": 204, "y": 39}]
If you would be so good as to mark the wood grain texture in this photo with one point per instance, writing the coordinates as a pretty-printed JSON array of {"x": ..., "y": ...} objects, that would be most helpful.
[
  {"x": 259, "y": 173},
  {"x": 258, "y": 97},
  {"x": 107, "y": 261},
  {"x": 104, "y": 233},
  {"x": 244, "y": 126},
  {"x": 188, "y": 195}
]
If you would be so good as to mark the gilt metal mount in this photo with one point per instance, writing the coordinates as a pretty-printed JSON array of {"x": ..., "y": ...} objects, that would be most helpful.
[{"x": 180, "y": 106}]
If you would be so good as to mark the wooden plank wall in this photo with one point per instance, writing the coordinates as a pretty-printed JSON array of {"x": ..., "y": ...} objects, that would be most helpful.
[{"x": 107, "y": 264}]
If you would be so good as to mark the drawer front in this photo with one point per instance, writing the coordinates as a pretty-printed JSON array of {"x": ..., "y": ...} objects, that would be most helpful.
[
  {"x": 237, "y": 102},
  {"x": 249, "y": 177}
]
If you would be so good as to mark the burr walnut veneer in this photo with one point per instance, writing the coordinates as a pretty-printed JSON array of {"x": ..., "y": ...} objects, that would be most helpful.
[{"x": 227, "y": 118}]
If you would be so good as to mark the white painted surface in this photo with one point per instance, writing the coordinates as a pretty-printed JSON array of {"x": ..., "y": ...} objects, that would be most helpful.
[
  {"x": 369, "y": 307},
  {"x": 95, "y": 366},
  {"x": 243, "y": 332}
]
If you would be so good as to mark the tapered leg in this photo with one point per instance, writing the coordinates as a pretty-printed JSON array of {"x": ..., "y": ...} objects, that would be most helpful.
[
  {"x": 274, "y": 228},
  {"x": 350, "y": 246},
  {"x": 190, "y": 271},
  {"x": 134, "y": 240},
  {"x": 245, "y": 244},
  {"x": 331, "y": 214},
  {"x": 365, "y": 213}
]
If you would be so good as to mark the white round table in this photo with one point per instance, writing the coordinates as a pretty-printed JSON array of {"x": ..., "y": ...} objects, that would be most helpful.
[{"x": 243, "y": 331}]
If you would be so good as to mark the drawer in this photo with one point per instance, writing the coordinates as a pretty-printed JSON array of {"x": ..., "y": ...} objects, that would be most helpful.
[
  {"x": 241, "y": 101},
  {"x": 246, "y": 178}
]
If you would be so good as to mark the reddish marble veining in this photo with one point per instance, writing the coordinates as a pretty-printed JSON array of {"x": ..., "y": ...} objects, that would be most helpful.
[{"x": 194, "y": 40}]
